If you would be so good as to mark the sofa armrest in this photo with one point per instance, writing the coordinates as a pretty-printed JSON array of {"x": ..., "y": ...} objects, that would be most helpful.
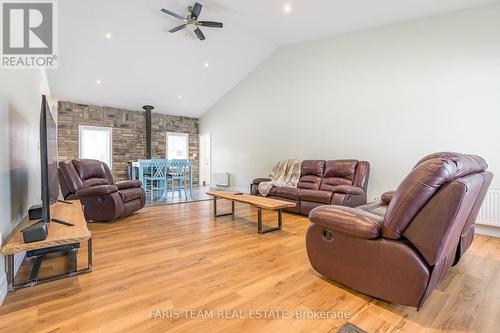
[
  {"x": 257, "y": 181},
  {"x": 96, "y": 191},
  {"x": 387, "y": 197},
  {"x": 348, "y": 221},
  {"x": 126, "y": 184},
  {"x": 348, "y": 189}
]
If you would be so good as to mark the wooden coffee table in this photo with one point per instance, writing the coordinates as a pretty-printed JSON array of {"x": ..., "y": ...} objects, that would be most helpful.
[{"x": 259, "y": 202}]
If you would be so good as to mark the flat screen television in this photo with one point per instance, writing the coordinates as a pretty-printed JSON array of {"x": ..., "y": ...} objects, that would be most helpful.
[{"x": 48, "y": 159}]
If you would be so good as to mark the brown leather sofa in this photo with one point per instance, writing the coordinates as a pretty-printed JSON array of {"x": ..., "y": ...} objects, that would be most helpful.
[
  {"x": 103, "y": 200},
  {"x": 335, "y": 182},
  {"x": 400, "y": 247}
]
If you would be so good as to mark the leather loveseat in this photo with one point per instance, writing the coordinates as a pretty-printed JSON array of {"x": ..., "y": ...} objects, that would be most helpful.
[
  {"x": 334, "y": 182},
  {"x": 103, "y": 200},
  {"x": 400, "y": 247}
]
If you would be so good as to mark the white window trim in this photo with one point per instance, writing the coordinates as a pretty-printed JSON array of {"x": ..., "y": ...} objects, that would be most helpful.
[
  {"x": 96, "y": 128},
  {"x": 186, "y": 135}
]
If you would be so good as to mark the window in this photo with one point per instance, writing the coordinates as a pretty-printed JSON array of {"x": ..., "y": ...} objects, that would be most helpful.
[
  {"x": 177, "y": 146},
  {"x": 96, "y": 143}
]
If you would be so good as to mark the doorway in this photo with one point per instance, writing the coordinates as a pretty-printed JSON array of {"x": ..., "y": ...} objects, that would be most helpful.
[{"x": 205, "y": 160}]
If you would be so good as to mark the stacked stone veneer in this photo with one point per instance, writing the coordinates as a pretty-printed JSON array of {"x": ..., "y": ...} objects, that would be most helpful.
[{"x": 129, "y": 133}]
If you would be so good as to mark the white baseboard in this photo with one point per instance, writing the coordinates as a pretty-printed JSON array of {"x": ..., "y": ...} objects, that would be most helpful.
[
  {"x": 18, "y": 260},
  {"x": 487, "y": 230}
]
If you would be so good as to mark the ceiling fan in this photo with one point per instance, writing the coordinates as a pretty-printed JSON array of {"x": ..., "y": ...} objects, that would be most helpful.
[{"x": 191, "y": 20}]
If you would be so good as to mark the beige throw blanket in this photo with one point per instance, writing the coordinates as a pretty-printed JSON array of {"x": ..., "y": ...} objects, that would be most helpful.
[{"x": 285, "y": 173}]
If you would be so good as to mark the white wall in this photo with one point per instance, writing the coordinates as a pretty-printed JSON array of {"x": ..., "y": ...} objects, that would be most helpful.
[
  {"x": 388, "y": 95},
  {"x": 20, "y": 99}
]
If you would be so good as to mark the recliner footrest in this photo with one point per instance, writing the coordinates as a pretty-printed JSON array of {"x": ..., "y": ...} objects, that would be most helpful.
[{"x": 130, "y": 194}]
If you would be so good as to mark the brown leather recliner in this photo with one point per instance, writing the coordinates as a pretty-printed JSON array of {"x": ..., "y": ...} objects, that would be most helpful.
[
  {"x": 334, "y": 182},
  {"x": 103, "y": 200},
  {"x": 399, "y": 248}
]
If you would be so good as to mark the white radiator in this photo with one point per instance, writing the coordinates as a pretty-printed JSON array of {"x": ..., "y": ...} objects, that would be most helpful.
[
  {"x": 489, "y": 214},
  {"x": 221, "y": 178}
]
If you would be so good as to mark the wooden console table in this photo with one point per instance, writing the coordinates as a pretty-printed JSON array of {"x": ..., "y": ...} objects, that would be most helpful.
[
  {"x": 259, "y": 202},
  {"x": 61, "y": 238}
]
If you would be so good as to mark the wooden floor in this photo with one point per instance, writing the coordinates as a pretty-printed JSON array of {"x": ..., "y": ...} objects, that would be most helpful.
[
  {"x": 199, "y": 194},
  {"x": 168, "y": 259}
]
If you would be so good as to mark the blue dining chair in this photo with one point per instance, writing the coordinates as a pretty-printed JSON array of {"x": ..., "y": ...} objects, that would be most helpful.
[
  {"x": 177, "y": 173},
  {"x": 157, "y": 180},
  {"x": 144, "y": 170}
]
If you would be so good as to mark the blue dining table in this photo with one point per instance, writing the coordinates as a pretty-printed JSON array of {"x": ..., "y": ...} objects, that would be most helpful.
[{"x": 136, "y": 174}]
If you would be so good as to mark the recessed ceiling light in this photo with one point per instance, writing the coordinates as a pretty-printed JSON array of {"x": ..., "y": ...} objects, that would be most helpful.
[
  {"x": 179, "y": 97},
  {"x": 287, "y": 8},
  {"x": 98, "y": 81},
  {"x": 206, "y": 65},
  {"x": 108, "y": 35}
]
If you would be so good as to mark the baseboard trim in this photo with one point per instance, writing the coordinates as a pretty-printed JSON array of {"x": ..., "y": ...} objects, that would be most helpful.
[
  {"x": 18, "y": 260},
  {"x": 487, "y": 230}
]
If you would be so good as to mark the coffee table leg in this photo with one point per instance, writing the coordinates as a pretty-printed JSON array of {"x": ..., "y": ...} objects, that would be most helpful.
[
  {"x": 89, "y": 254},
  {"x": 226, "y": 214},
  {"x": 259, "y": 220},
  {"x": 215, "y": 206},
  {"x": 260, "y": 228}
]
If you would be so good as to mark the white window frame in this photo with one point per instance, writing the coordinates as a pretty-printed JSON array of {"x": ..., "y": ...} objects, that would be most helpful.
[
  {"x": 186, "y": 135},
  {"x": 81, "y": 128}
]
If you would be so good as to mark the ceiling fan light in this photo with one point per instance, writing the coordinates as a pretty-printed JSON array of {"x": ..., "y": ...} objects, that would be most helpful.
[{"x": 191, "y": 21}]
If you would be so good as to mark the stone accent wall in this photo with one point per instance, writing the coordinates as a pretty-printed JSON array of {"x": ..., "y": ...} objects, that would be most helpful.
[{"x": 129, "y": 133}]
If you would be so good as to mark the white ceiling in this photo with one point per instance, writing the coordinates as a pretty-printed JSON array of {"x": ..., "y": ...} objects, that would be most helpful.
[{"x": 142, "y": 63}]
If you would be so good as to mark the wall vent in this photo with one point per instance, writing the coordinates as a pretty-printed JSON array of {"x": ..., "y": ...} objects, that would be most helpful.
[
  {"x": 489, "y": 214},
  {"x": 221, "y": 179}
]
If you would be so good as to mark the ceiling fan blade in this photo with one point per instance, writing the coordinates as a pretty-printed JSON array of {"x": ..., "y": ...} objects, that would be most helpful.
[
  {"x": 182, "y": 26},
  {"x": 200, "y": 34},
  {"x": 211, "y": 24},
  {"x": 195, "y": 12},
  {"x": 172, "y": 14}
]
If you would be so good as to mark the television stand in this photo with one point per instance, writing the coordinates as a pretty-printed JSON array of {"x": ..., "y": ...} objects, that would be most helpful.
[{"x": 59, "y": 239}]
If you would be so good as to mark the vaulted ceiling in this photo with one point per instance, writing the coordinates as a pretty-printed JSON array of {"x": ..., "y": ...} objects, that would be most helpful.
[{"x": 140, "y": 62}]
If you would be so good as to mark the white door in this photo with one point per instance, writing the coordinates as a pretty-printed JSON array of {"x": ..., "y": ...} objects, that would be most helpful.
[{"x": 205, "y": 173}]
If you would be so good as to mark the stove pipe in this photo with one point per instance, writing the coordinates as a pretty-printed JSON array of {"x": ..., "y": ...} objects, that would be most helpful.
[{"x": 148, "y": 109}]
